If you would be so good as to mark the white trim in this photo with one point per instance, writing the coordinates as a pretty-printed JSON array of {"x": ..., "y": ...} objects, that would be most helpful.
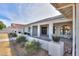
[{"x": 53, "y": 21}]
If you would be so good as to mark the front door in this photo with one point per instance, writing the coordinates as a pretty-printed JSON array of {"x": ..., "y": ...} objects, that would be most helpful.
[{"x": 44, "y": 30}]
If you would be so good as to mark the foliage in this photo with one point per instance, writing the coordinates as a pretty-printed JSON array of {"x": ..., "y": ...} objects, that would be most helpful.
[
  {"x": 32, "y": 46},
  {"x": 56, "y": 38},
  {"x": 12, "y": 35},
  {"x": 21, "y": 39},
  {"x": 19, "y": 32},
  {"x": 26, "y": 33},
  {"x": 2, "y": 25}
]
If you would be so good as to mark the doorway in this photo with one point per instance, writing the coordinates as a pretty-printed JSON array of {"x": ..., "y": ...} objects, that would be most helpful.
[{"x": 44, "y": 30}]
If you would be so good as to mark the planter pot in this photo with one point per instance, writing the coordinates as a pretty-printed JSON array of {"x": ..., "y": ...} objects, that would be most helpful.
[{"x": 56, "y": 38}]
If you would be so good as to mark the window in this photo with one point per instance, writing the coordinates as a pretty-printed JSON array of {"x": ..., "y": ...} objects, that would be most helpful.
[{"x": 65, "y": 29}]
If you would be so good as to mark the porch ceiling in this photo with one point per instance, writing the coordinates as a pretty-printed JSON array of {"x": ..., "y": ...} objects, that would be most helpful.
[{"x": 65, "y": 8}]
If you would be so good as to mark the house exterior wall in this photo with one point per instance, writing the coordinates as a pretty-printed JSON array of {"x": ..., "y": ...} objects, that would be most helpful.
[
  {"x": 50, "y": 23},
  {"x": 17, "y": 31},
  {"x": 26, "y": 29},
  {"x": 12, "y": 30}
]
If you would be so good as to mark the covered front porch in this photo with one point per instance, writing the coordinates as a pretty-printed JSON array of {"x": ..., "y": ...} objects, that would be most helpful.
[
  {"x": 61, "y": 29},
  {"x": 46, "y": 31}
]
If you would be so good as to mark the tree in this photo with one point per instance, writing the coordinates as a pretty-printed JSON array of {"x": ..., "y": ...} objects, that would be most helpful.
[{"x": 2, "y": 25}]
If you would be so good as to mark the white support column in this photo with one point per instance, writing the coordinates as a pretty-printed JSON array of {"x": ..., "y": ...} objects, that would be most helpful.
[
  {"x": 74, "y": 32},
  {"x": 31, "y": 30},
  {"x": 50, "y": 30},
  {"x": 77, "y": 29},
  {"x": 38, "y": 31}
]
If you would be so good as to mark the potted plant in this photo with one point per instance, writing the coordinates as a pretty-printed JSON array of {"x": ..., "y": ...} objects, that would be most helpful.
[
  {"x": 56, "y": 38},
  {"x": 19, "y": 32},
  {"x": 25, "y": 33}
]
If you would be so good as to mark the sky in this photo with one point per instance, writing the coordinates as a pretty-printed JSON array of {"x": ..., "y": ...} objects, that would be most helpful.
[{"x": 24, "y": 13}]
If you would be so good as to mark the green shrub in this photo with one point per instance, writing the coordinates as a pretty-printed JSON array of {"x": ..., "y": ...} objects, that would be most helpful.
[
  {"x": 56, "y": 38},
  {"x": 21, "y": 39},
  {"x": 12, "y": 35},
  {"x": 25, "y": 33},
  {"x": 32, "y": 46}
]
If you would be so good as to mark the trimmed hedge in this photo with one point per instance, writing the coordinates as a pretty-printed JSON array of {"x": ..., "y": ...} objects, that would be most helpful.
[{"x": 25, "y": 33}]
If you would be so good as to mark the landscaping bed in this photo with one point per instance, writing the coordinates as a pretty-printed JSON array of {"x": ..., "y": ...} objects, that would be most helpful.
[{"x": 18, "y": 49}]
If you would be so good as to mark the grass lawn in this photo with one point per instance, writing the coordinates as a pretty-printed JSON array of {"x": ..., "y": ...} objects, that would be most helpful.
[
  {"x": 3, "y": 36},
  {"x": 5, "y": 49}
]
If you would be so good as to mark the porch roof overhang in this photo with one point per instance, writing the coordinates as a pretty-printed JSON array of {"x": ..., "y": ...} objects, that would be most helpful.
[
  {"x": 48, "y": 19},
  {"x": 65, "y": 8}
]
